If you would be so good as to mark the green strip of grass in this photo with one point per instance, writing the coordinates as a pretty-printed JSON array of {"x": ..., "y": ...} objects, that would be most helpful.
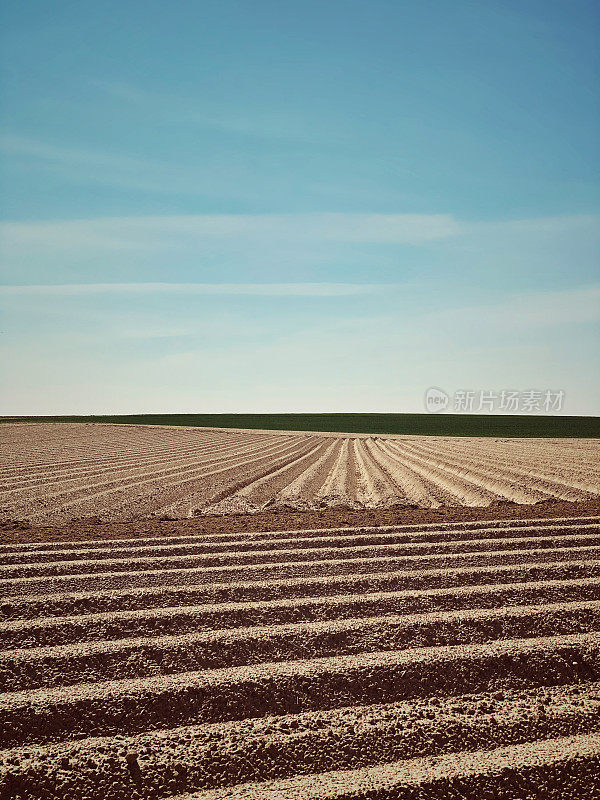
[{"x": 410, "y": 424}]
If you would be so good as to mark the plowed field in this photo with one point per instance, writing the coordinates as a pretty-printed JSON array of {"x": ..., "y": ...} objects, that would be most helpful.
[
  {"x": 441, "y": 660},
  {"x": 53, "y": 473}
]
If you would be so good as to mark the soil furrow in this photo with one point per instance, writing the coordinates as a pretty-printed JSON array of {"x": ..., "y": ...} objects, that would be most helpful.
[
  {"x": 327, "y": 550},
  {"x": 29, "y": 607},
  {"x": 256, "y": 494},
  {"x": 107, "y": 660},
  {"x": 552, "y": 768},
  {"x": 225, "y": 544},
  {"x": 462, "y": 490},
  {"x": 177, "y": 457},
  {"x": 221, "y": 755},
  {"x": 185, "y": 477},
  {"x": 262, "y": 571},
  {"x": 174, "y": 620},
  {"x": 500, "y": 524},
  {"x": 504, "y": 482},
  {"x": 132, "y": 705},
  {"x": 411, "y": 484},
  {"x": 204, "y": 497}
]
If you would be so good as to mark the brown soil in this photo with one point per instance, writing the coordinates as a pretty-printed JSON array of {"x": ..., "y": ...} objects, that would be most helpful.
[
  {"x": 283, "y": 520},
  {"x": 396, "y": 653},
  {"x": 54, "y": 474}
]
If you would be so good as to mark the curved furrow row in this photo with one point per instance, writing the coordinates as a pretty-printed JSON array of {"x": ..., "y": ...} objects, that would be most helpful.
[
  {"x": 126, "y": 457},
  {"x": 536, "y": 480},
  {"x": 491, "y": 482},
  {"x": 217, "y": 450},
  {"x": 257, "y": 493},
  {"x": 117, "y": 501},
  {"x": 226, "y": 485},
  {"x": 131, "y": 479},
  {"x": 463, "y": 491},
  {"x": 232, "y": 477},
  {"x": 301, "y": 492},
  {"x": 123, "y": 456},
  {"x": 547, "y": 450},
  {"x": 578, "y": 470},
  {"x": 501, "y": 477},
  {"x": 107, "y": 438},
  {"x": 410, "y": 484}
]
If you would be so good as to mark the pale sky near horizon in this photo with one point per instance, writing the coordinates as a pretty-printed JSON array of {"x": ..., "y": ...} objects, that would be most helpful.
[{"x": 259, "y": 206}]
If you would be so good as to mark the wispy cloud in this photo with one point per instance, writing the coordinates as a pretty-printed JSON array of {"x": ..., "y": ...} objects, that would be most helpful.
[
  {"x": 301, "y": 248},
  {"x": 195, "y": 228},
  {"x": 525, "y": 311},
  {"x": 256, "y": 289},
  {"x": 233, "y": 248},
  {"x": 521, "y": 317},
  {"x": 45, "y": 151},
  {"x": 96, "y": 166},
  {"x": 281, "y": 124}
]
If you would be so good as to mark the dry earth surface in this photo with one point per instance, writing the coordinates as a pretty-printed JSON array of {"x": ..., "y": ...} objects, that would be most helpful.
[
  {"x": 441, "y": 659},
  {"x": 56, "y": 472},
  {"x": 398, "y": 618}
]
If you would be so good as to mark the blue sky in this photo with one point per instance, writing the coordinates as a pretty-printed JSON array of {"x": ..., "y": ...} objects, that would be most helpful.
[{"x": 299, "y": 206}]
